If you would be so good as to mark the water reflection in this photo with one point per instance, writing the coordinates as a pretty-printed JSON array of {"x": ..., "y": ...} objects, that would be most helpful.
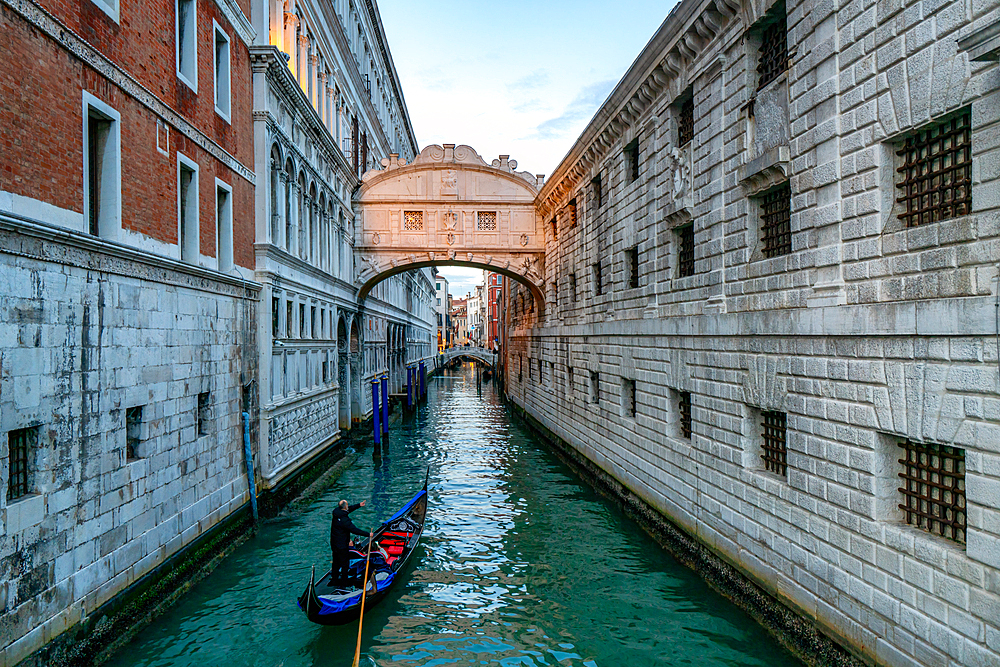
[{"x": 520, "y": 564}]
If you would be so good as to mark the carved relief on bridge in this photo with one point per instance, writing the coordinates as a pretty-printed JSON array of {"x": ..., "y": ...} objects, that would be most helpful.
[{"x": 449, "y": 207}]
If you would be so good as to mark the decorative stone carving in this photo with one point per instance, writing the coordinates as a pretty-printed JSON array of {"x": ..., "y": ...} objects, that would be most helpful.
[
  {"x": 376, "y": 238},
  {"x": 524, "y": 239},
  {"x": 449, "y": 183},
  {"x": 680, "y": 173},
  {"x": 450, "y": 220},
  {"x": 450, "y": 238},
  {"x": 371, "y": 263}
]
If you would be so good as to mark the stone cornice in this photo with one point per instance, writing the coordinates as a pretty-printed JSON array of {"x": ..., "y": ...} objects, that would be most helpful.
[
  {"x": 687, "y": 31},
  {"x": 80, "y": 48},
  {"x": 30, "y": 238},
  {"x": 241, "y": 24}
]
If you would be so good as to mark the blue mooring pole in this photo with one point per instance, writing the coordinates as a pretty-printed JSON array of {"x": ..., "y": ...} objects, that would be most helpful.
[
  {"x": 423, "y": 384},
  {"x": 409, "y": 387},
  {"x": 385, "y": 404},
  {"x": 248, "y": 457},
  {"x": 376, "y": 429}
]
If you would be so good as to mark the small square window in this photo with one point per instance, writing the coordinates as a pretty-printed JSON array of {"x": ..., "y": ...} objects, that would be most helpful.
[
  {"x": 775, "y": 221},
  {"x": 774, "y": 449},
  {"x": 632, "y": 262},
  {"x": 934, "y": 488},
  {"x": 632, "y": 161},
  {"x": 133, "y": 433},
  {"x": 413, "y": 221},
  {"x": 204, "y": 412},
  {"x": 934, "y": 181},
  {"x": 685, "y": 250},
  {"x": 22, "y": 444},
  {"x": 486, "y": 221}
]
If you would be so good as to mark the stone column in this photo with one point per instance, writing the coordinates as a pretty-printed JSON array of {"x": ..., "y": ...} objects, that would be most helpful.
[
  {"x": 321, "y": 97},
  {"x": 331, "y": 108},
  {"x": 312, "y": 89},
  {"x": 291, "y": 29},
  {"x": 276, "y": 22},
  {"x": 294, "y": 196},
  {"x": 302, "y": 61}
]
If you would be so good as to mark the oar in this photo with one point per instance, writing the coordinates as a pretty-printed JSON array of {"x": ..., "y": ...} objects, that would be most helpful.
[{"x": 364, "y": 589}]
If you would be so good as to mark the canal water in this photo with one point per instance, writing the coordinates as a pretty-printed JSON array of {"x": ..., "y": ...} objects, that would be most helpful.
[{"x": 520, "y": 564}]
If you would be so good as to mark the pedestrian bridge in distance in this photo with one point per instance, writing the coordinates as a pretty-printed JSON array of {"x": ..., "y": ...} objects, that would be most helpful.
[
  {"x": 476, "y": 353},
  {"x": 449, "y": 208}
]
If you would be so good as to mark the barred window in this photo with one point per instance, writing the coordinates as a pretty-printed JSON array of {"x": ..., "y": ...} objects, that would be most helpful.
[
  {"x": 684, "y": 410},
  {"x": 632, "y": 160},
  {"x": 773, "y": 445},
  {"x": 598, "y": 287},
  {"x": 275, "y": 317},
  {"x": 628, "y": 397},
  {"x": 288, "y": 319},
  {"x": 571, "y": 211},
  {"x": 486, "y": 221},
  {"x": 773, "y": 58},
  {"x": 632, "y": 255},
  {"x": 572, "y": 287},
  {"x": 133, "y": 432},
  {"x": 685, "y": 122},
  {"x": 595, "y": 182},
  {"x": 569, "y": 380},
  {"x": 413, "y": 221},
  {"x": 935, "y": 179},
  {"x": 934, "y": 488},
  {"x": 204, "y": 412},
  {"x": 595, "y": 387},
  {"x": 775, "y": 221},
  {"x": 302, "y": 320},
  {"x": 685, "y": 251},
  {"x": 21, "y": 444}
]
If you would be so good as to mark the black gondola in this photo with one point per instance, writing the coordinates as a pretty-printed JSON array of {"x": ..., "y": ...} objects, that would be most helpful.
[{"x": 394, "y": 543}]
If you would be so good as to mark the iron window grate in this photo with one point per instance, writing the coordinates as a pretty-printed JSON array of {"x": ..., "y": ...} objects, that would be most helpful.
[
  {"x": 633, "y": 267},
  {"x": 685, "y": 253},
  {"x": 413, "y": 221},
  {"x": 133, "y": 424},
  {"x": 684, "y": 407},
  {"x": 774, "y": 445},
  {"x": 571, "y": 211},
  {"x": 934, "y": 488},
  {"x": 630, "y": 402},
  {"x": 936, "y": 176},
  {"x": 486, "y": 221},
  {"x": 773, "y": 50},
  {"x": 776, "y": 222},
  {"x": 632, "y": 160},
  {"x": 598, "y": 287},
  {"x": 19, "y": 443},
  {"x": 685, "y": 124},
  {"x": 598, "y": 194}
]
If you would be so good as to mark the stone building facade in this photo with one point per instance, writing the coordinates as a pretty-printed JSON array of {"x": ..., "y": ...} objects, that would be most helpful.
[
  {"x": 773, "y": 254},
  {"x": 127, "y": 306}
]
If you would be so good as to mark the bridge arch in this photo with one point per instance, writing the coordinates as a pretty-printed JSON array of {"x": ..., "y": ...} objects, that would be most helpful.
[{"x": 449, "y": 208}]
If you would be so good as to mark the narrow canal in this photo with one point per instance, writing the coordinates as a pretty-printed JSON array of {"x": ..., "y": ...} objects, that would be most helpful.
[{"x": 520, "y": 564}]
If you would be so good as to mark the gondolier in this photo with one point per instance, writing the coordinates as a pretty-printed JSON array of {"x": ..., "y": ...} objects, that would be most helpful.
[{"x": 341, "y": 528}]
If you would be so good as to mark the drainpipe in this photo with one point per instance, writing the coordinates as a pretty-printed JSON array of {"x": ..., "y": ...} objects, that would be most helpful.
[
  {"x": 385, "y": 404},
  {"x": 376, "y": 429},
  {"x": 248, "y": 457}
]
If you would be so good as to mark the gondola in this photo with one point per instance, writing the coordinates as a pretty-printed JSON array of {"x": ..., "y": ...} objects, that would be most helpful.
[{"x": 394, "y": 543}]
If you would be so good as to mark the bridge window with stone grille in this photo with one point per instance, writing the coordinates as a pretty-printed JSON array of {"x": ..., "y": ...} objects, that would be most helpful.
[
  {"x": 774, "y": 446},
  {"x": 685, "y": 250},
  {"x": 685, "y": 122},
  {"x": 413, "y": 221},
  {"x": 21, "y": 446},
  {"x": 934, "y": 180},
  {"x": 934, "y": 488},
  {"x": 486, "y": 221},
  {"x": 773, "y": 52},
  {"x": 776, "y": 222}
]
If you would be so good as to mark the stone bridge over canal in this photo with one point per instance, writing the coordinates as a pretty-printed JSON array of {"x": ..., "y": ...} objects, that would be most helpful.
[
  {"x": 476, "y": 353},
  {"x": 449, "y": 207}
]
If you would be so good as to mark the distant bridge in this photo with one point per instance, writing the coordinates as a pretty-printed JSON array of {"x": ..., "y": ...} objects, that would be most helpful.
[{"x": 476, "y": 353}]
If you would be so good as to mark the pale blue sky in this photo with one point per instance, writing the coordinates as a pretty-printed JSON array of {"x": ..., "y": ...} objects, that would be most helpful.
[{"x": 512, "y": 77}]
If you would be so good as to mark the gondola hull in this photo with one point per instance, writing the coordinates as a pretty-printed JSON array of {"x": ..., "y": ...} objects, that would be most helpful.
[{"x": 396, "y": 540}]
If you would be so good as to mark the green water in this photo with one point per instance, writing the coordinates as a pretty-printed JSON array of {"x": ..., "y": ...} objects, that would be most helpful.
[{"x": 520, "y": 564}]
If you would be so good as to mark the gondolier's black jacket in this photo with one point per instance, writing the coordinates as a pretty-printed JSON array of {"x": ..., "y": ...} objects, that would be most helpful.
[{"x": 341, "y": 528}]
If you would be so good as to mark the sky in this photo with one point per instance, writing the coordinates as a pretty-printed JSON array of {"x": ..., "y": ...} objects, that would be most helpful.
[{"x": 512, "y": 77}]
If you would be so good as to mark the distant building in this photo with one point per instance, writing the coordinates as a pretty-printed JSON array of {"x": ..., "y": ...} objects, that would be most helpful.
[{"x": 494, "y": 291}]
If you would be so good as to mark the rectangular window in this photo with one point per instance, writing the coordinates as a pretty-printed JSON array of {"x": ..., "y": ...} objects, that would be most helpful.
[
  {"x": 632, "y": 161},
  {"x": 302, "y": 320},
  {"x": 312, "y": 323},
  {"x": 595, "y": 183},
  {"x": 569, "y": 380},
  {"x": 187, "y": 42},
  {"x": 773, "y": 53},
  {"x": 598, "y": 287},
  {"x": 326, "y": 371},
  {"x": 775, "y": 221},
  {"x": 204, "y": 414},
  {"x": 555, "y": 229},
  {"x": 632, "y": 264},
  {"x": 187, "y": 209},
  {"x": 289, "y": 329},
  {"x": 572, "y": 287},
  {"x": 486, "y": 221},
  {"x": 685, "y": 250},
  {"x": 685, "y": 122},
  {"x": 102, "y": 167},
  {"x": 540, "y": 377},
  {"x": 133, "y": 433},
  {"x": 275, "y": 317},
  {"x": 223, "y": 95},
  {"x": 413, "y": 221},
  {"x": 322, "y": 323},
  {"x": 934, "y": 488},
  {"x": 774, "y": 449},
  {"x": 520, "y": 368},
  {"x": 21, "y": 446},
  {"x": 684, "y": 412},
  {"x": 224, "y": 225},
  {"x": 934, "y": 181},
  {"x": 571, "y": 211},
  {"x": 595, "y": 387},
  {"x": 628, "y": 397}
]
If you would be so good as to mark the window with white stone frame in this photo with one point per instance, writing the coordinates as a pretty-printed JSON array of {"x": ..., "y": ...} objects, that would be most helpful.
[
  {"x": 186, "y": 42},
  {"x": 102, "y": 191},
  {"x": 224, "y": 225},
  {"x": 223, "y": 87},
  {"x": 109, "y": 7},
  {"x": 187, "y": 209}
]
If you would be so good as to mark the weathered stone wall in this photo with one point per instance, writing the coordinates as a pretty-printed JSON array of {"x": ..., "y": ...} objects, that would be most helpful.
[
  {"x": 84, "y": 336},
  {"x": 866, "y": 334}
]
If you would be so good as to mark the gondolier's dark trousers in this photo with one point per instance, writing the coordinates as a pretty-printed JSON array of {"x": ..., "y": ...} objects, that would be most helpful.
[{"x": 341, "y": 564}]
